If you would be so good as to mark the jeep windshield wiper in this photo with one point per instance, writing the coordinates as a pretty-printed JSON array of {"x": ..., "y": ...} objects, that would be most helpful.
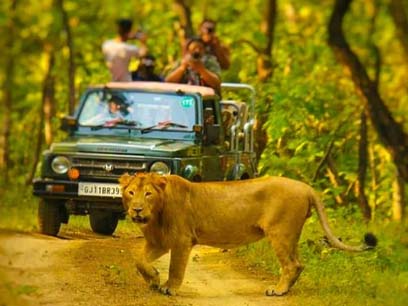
[
  {"x": 162, "y": 126},
  {"x": 117, "y": 123}
]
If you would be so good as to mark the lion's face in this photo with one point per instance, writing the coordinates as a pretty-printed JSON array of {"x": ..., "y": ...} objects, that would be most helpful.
[{"x": 142, "y": 195}]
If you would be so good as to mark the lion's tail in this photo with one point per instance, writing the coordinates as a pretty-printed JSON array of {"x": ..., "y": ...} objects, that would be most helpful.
[{"x": 370, "y": 241}]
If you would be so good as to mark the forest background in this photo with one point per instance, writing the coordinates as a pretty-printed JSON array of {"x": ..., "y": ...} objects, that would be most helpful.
[{"x": 331, "y": 78}]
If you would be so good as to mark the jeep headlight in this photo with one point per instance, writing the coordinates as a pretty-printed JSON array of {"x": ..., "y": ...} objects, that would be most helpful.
[
  {"x": 60, "y": 164},
  {"x": 160, "y": 168}
]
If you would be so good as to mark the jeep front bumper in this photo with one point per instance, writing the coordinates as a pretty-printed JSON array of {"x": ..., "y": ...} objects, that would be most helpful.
[{"x": 79, "y": 191}]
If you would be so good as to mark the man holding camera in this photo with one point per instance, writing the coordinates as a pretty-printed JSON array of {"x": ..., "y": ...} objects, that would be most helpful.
[
  {"x": 118, "y": 52},
  {"x": 212, "y": 43},
  {"x": 197, "y": 67}
]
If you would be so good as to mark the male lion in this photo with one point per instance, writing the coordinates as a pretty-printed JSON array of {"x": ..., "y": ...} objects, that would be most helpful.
[{"x": 175, "y": 214}]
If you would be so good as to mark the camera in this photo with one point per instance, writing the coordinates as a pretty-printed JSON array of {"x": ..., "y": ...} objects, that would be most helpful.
[
  {"x": 196, "y": 55},
  {"x": 210, "y": 30}
]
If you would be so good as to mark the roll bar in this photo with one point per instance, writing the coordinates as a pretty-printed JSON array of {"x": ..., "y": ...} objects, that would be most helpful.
[
  {"x": 242, "y": 86},
  {"x": 248, "y": 126}
]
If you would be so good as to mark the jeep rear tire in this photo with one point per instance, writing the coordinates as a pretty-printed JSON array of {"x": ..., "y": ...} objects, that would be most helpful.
[
  {"x": 49, "y": 217},
  {"x": 103, "y": 222}
]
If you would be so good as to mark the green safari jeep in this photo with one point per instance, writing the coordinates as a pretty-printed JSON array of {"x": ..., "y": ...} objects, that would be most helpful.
[{"x": 141, "y": 127}]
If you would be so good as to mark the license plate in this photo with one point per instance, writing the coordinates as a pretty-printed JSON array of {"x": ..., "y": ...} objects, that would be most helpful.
[{"x": 99, "y": 190}]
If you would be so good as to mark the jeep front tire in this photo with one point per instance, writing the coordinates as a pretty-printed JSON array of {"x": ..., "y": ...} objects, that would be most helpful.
[
  {"x": 103, "y": 222},
  {"x": 49, "y": 217}
]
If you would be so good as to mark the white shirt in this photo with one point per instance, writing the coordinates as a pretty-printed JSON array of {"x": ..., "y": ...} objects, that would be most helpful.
[{"x": 117, "y": 56}]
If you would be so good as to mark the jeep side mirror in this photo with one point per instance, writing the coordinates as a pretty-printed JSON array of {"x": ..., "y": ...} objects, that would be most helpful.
[{"x": 68, "y": 123}]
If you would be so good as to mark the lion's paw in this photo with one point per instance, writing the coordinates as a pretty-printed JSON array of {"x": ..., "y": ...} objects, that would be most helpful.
[
  {"x": 167, "y": 290},
  {"x": 272, "y": 291}
]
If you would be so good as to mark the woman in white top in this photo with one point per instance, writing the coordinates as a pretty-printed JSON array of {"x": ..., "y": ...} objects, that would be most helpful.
[{"x": 118, "y": 52}]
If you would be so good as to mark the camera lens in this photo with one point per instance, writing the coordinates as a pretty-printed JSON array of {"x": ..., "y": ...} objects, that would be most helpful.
[
  {"x": 210, "y": 30},
  {"x": 196, "y": 55}
]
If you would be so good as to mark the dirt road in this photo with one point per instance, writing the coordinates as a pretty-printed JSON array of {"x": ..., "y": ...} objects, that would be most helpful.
[{"x": 82, "y": 268}]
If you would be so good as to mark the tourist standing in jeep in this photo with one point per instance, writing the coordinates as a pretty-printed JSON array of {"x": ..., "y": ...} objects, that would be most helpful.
[
  {"x": 212, "y": 43},
  {"x": 118, "y": 52},
  {"x": 197, "y": 67}
]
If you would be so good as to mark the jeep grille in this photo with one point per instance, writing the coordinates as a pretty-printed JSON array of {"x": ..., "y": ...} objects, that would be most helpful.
[{"x": 106, "y": 168}]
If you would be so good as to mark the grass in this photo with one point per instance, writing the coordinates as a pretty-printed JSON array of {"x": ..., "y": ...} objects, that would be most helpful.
[
  {"x": 331, "y": 277},
  {"x": 80, "y": 223},
  {"x": 114, "y": 274},
  {"x": 14, "y": 294},
  {"x": 18, "y": 209}
]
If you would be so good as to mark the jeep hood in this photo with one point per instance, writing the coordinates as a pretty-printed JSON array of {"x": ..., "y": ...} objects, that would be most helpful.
[{"x": 142, "y": 146}]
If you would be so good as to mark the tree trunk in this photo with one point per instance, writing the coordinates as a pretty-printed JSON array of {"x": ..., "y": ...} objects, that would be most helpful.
[
  {"x": 375, "y": 181},
  {"x": 389, "y": 131},
  {"x": 8, "y": 93},
  {"x": 399, "y": 15},
  {"x": 265, "y": 71},
  {"x": 363, "y": 144},
  {"x": 261, "y": 135},
  {"x": 336, "y": 180},
  {"x": 185, "y": 27},
  {"x": 48, "y": 99},
  {"x": 264, "y": 61},
  {"x": 362, "y": 169},
  {"x": 398, "y": 199},
  {"x": 71, "y": 62},
  {"x": 47, "y": 102}
]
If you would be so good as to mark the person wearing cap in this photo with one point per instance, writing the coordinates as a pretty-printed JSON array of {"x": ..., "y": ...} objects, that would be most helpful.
[
  {"x": 118, "y": 52},
  {"x": 197, "y": 67},
  {"x": 112, "y": 114},
  {"x": 213, "y": 44},
  {"x": 145, "y": 70}
]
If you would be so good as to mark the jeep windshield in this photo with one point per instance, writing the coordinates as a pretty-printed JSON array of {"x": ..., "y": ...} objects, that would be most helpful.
[{"x": 144, "y": 111}]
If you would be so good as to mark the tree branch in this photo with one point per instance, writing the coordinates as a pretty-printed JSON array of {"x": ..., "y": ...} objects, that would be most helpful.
[
  {"x": 185, "y": 29},
  {"x": 324, "y": 160},
  {"x": 71, "y": 62},
  {"x": 254, "y": 47}
]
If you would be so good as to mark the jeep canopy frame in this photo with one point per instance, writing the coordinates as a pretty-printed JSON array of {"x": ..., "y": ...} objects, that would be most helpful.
[{"x": 249, "y": 124}]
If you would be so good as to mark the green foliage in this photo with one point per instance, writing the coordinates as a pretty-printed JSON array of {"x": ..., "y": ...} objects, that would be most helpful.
[
  {"x": 314, "y": 103},
  {"x": 18, "y": 208}
]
